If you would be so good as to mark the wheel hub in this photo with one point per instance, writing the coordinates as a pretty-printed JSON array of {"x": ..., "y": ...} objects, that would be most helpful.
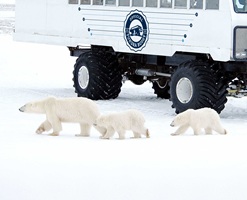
[
  {"x": 83, "y": 77},
  {"x": 184, "y": 90}
]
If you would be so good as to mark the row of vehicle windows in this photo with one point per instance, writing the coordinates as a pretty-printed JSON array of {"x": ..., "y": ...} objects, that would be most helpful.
[{"x": 193, "y": 4}]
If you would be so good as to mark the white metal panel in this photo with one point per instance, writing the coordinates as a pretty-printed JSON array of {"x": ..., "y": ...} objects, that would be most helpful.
[
  {"x": 50, "y": 22},
  {"x": 170, "y": 30},
  {"x": 167, "y": 30}
]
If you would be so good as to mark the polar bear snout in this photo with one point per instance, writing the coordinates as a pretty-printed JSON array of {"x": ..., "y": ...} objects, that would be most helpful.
[
  {"x": 172, "y": 124},
  {"x": 22, "y": 109},
  {"x": 100, "y": 121}
]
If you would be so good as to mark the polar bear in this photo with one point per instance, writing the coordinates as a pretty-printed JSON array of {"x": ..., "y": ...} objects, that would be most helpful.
[
  {"x": 57, "y": 110},
  {"x": 204, "y": 118},
  {"x": 120, "y": 122}
]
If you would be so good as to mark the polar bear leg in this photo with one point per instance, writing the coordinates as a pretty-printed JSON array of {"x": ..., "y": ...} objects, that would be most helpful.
[
  {"x": 45, "y": 126},
  {"x": 136, "y": 134},
  {"x": 181, "y": 130},
  {"x": 145, "y": 132},
  {"x": 121, "y": 134},
  {"x": 109, "y": 133},
  {"x": 55, "y": 123},
  {"x": 140, "y": 131},
  {"x": 102, "y": 130},
  {"x": 219, "y": 129},
  {"x": 197, "y": 130},
  {"x": 57, "y": 127},
  {"x": 85, "y": 130},
  {"x": 208, "y": 130}
]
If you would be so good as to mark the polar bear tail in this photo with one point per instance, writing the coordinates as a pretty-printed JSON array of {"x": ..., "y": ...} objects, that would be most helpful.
[{"x": 147, "y": 134}]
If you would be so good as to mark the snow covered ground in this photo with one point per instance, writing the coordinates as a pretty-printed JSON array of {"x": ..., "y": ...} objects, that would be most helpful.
[
  {"x": 67, "y": 167},
  {"x": 6, "y": 18}
]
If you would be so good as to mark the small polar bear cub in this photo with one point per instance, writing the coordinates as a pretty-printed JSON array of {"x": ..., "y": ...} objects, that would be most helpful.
[
  {"x": 57, "y": 110},
  {"x": 121, "y": 122},
  {"x": 204, "y": 118}
]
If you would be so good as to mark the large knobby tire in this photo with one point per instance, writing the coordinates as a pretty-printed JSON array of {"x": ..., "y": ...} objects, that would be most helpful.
[
  {"x": 97, "y": 78},
  {"x": 195, "y": 85},
  {"x": 161, "y": 88}
]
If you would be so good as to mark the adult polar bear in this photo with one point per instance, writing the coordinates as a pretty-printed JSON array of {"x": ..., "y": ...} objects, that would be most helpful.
[
  {"x": 204, "y": 118},
  {"x": 121, "y": 121},
  {"x": 76, "y": 110}
]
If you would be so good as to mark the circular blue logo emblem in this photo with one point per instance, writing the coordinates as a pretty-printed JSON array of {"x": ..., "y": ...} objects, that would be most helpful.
[{"x": 136, "y": 30}]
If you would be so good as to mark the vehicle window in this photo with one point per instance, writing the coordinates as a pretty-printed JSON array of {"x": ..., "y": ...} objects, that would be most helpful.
[
  {"x": 97, "y": 2},
  {"x": 165, "y": 3},
  {"x": 110, "y": 2},
  {"x": 196, "y": 4},
  {"x": 124, "y": 2},
  {"x": 151, "y": 3},
  {"x": 73, "y": 1},
  {"x": 138, "y": 3},
  {"x": 240, "y": 6},
  {"x": 180, "y": 3},
  {"x": 212, "y": 4},
  {"x": 85, "y": 2}
]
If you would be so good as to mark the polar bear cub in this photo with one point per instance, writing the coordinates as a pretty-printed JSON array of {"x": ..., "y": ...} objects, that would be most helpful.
[
  {"x": 121, "y": 122},
  {"x": 57, "y": 110},
  {"x": 204, "y": 118}
]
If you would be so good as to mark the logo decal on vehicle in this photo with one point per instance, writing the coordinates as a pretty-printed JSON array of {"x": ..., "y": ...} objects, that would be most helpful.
[{"x": 136, "y": 30}]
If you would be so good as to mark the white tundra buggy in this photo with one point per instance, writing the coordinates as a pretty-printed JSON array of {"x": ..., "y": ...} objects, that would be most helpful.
[{"x": 191, "y": 50}]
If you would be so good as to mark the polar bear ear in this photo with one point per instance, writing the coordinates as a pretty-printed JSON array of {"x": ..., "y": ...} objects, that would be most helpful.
[
  {"x": 179, "y": 119},
  {"x": 30, "y": 104},
  {"x": 99, "y": 120},
  {"x": 103, "y": 120},
  {"x": 33, "y": 105},
  {"x": 96, "y": 121}
]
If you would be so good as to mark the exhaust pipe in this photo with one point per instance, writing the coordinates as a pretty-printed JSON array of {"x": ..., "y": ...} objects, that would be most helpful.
[
  {"x": 144, "y": 72},
  {"x": 149, "y": 72}
]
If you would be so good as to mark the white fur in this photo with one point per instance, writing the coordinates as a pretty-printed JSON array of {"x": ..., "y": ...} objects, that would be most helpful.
[
  {"x": 76, "y": 110},
  {"x": 121, "y": 122},
  {"x": 204, "y": 118}
]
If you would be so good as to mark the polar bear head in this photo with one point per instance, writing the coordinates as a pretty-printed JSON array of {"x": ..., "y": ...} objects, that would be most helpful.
[
  {"x": 181, "y": 118},
  {"x": 33, "y": 107},
  {"x": 101, "y": 121}
]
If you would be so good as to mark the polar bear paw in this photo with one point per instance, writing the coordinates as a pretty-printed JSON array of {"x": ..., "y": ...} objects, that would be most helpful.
[
  {"x": 82, "y": 135},
  {"x": 40, "y": 130},
  {"x": 103, "y": 137},
  {"x": 54, "y": 134},
  {"x": 147, "y": 134}
]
